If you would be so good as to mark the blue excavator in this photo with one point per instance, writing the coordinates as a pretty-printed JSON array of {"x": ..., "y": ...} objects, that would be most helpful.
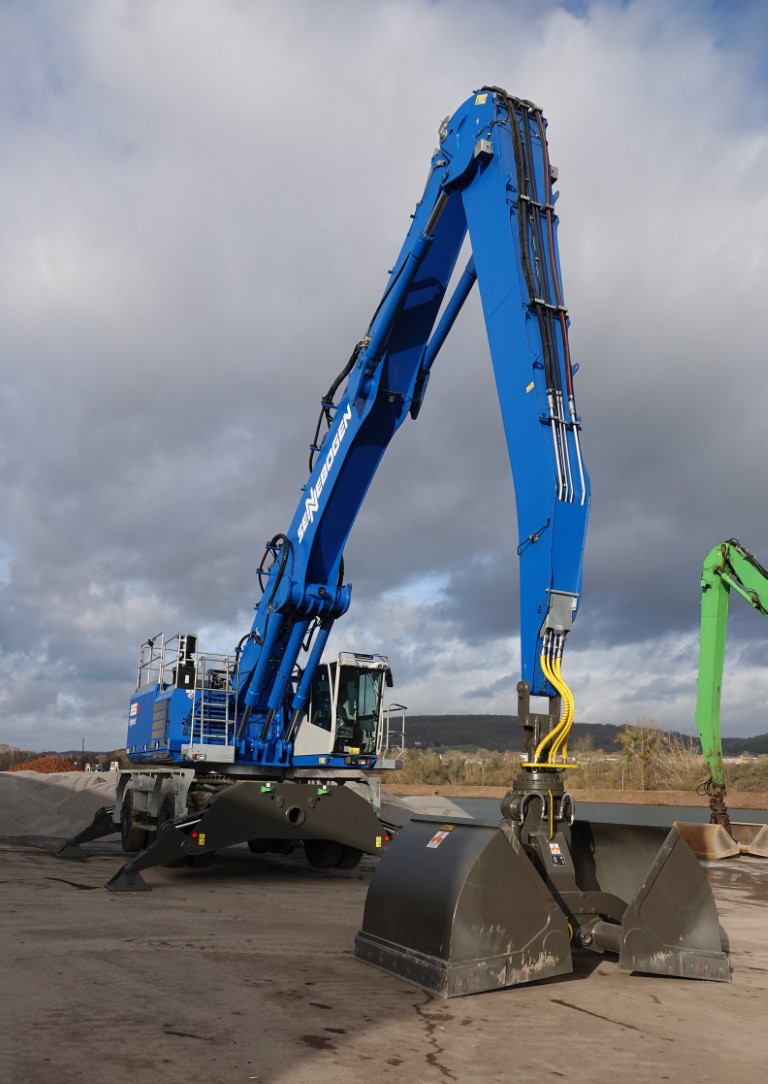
[{"x": 260, "y": 738}]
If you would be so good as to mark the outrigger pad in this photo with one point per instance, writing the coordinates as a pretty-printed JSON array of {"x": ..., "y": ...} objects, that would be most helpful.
[
  {"x": 101, "y": 825},
  {"x": 458, "y": 909}
]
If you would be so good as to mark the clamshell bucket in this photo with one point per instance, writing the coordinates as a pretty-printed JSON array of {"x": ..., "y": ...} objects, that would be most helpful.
[
  {"x": 459, "y": 908},
  {"x": 464, "y": 908},
  {"x": 713, "y": 841},
  {"x": 751, "y": 838},
  {"x": 669, "y": 925}
]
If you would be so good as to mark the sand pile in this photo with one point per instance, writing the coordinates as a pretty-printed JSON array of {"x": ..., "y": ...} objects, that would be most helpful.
[{"x": 57, "y": 804}]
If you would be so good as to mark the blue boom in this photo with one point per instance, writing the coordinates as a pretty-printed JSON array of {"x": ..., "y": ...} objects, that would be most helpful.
[
  {"x": 456, "y": 908},
  {"x": 491, "y": 179}
]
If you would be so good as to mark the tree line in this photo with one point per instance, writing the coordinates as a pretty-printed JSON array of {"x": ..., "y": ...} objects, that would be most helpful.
[{"x": 648, "y": 758}]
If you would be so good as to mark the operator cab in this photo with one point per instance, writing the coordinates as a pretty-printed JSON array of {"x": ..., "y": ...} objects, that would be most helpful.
[{"x": 345, "y": 709}]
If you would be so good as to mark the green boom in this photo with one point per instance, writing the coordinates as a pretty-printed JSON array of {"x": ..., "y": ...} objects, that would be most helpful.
[{"x": 729, "y": 566}]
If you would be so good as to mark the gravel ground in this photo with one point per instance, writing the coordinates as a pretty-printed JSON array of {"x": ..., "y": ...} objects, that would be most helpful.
[{"x": 245, "y": 972}]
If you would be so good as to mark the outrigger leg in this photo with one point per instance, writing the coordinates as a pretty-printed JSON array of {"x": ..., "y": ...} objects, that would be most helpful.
[
  {"x": 102, "y": 825},
  {"x": 332, "y": 822}
]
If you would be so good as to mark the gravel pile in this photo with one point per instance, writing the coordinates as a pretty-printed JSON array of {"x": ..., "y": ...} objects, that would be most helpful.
[
  {"x": 57, "y": 804},
  {"x": 46, "y": 765}
]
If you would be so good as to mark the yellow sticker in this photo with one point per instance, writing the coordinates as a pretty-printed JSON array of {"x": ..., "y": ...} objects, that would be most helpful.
[
  {"x": 447, "y": 827},
  {"x": 201, "y": 839},
  {"x": 530, "y": 386},
  {"x": 378, "y": 843},
  {"x": 481, "y": 99},
  {"x": 353, "y": 749}
]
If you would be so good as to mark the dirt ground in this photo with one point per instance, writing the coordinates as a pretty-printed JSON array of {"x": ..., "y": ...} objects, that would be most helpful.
[{"x": 245, "y": 972}]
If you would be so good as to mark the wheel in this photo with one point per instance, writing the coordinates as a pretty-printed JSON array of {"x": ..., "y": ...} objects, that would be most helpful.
[
  {"x": 201, "y": 861},
  {"x": 323, "y": 853},
  {"x": 132, "y": 836},
  {"x": 282, "y": 846},
  {"x": 167, "y": 811},
  {"x": 350, "y": 857},
  {"x": 270, "y": 846}
]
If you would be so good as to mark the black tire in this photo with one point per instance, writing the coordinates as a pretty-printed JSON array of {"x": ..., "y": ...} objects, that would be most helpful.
[
  {"x": 323, "y": 853},
  {"x": 167, "y": 811},
  {"x": 270, "y": 846},
  {"x": 282, "y": 846},
  {"x": 350, "y": 857},
  {"x": 201, "y": 861},
  {"x": 132, "y": 836}
]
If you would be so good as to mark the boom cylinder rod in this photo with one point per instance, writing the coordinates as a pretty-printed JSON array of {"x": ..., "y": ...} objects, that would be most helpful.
[
  {"x": 751, "y": 597},
  {"x": 301, "y": 695},
  {"x": 393, "y": 302},
  {"x": 452, "y": 310},
  {"x": 275, "y": 624},
  {"x": 290, "y": 655}
]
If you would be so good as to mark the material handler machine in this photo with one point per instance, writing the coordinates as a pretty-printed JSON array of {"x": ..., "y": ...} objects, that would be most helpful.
[
  {"x": 457, "y": 908},
  {"x": 728, "y": 567}
]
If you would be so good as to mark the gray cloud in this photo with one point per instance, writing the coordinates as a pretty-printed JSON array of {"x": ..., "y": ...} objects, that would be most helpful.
[{"x": 200, "y": 206}]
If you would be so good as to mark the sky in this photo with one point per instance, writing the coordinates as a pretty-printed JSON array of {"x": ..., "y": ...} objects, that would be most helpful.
[{"x": 200, "y": 201}]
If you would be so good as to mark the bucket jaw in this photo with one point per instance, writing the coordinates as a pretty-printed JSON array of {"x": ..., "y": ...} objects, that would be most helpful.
[
  {"x": 669, "y": 924},
  {"x": 459, "y": 908},
  {"x": 467, "y": 907}
]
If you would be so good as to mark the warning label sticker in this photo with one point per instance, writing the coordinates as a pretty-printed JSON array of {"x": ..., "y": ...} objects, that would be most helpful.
[
  {"x": 558, "y": 858},
  {"x": 437, "y": 839}
]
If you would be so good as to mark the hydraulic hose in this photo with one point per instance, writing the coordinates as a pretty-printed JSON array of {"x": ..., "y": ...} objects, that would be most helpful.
[{"x": 557, "y": 739}]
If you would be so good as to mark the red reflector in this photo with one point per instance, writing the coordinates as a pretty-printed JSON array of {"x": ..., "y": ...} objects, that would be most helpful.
[
  {"x": 194, "y": 835},
  {"x": 387, "y": 839}
]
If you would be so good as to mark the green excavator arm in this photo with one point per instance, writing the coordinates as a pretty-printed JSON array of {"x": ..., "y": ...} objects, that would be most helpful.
[{"x": 728, "y": 567}]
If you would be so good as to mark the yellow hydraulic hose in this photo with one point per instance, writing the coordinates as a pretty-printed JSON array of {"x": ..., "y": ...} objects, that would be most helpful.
[
  {"x": 569, "y": 710},
  {"x": 551, "y": 677},
  {"x": 557, "y": 739}
]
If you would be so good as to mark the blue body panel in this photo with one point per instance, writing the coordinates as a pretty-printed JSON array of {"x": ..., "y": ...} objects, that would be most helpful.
[
  {"x": 158, "y": 723},
  {"x": 490, "y": 179}
]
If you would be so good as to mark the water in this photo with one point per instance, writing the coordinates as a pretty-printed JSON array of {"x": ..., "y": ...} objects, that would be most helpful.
[{"x": 602, "y": 813}]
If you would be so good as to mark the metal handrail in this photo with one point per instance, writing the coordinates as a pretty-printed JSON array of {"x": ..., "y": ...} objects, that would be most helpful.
[{"x": 387, "y": 733}]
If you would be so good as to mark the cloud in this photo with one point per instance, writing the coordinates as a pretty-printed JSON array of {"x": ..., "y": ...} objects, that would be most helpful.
[{"x": 200, "y": 206}]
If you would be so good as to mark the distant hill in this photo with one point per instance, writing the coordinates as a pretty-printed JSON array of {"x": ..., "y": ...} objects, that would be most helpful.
[
  {"x": 502, "y": 733},
  {"x": 733, "y": 747}
]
